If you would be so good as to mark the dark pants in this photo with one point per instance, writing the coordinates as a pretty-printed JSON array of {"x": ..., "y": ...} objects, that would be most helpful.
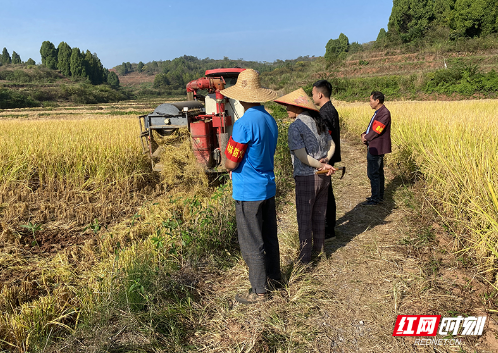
[
  {"x": 375, "y": 172},
  {"x": 257, "y": 231},
  {"x": 311, "y": 205},
  {"x": 331, "y": 213}
]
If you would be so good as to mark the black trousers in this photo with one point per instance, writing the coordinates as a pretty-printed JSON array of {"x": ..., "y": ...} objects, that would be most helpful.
[
  {"x": 257, "y": 232},
  {"x": 331, "y": 215},
  {"x": 375, "y": 172}
]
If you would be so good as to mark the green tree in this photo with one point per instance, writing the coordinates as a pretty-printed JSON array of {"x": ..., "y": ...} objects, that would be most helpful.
[
  {"x": 129, "y": 67},
  {"x": 336, "y": 49},
  {"x": 113, "y": 79},
  {"x": 355, "y": 47},
  {"x": 161, "y": 81},
  {"x": 5, "y": 58},
  {"x": 381, "y": 38},
  {"x": 16, "y": 59},
  {"x": 101, "y": 73},
  {"x": 89, "y": 66},
  {"x": 175, "y": 78},
  {"x": 443, "y": 12},
  {"x": 343, "y": 43},
  {"x": 152, "y": 67},
  {"x": 140, "y": 66},
  {"x": 410, "y": 19},
  {"x": 473, "y": 18},
  {"x": 64, "y": 58},
  {"x": 93, "y": 69},
  {"x": 123, "y": 69},
  {"x": 48, "y": 54},
  {"x": 76, "y": 62},
  {"x": 30, "y": 62}
]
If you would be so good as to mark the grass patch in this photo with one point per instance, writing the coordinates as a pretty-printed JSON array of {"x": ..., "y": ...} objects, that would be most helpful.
[{"x": 14, "y": 116}]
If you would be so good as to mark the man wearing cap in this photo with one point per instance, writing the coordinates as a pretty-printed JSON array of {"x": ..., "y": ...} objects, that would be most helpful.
[
  {"x": 378, "y": 139},
  {"x": 249, "y": 153},
  {"x": 321, "y": 96}
]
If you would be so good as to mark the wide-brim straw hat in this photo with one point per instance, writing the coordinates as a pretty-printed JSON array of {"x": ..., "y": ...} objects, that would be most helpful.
[
  {"x": 297, "y": 98},
  {"x": 248, "y": 89}
]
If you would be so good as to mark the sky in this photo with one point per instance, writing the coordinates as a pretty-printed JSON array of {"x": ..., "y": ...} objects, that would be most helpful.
[{"x": 147, "y": 30}]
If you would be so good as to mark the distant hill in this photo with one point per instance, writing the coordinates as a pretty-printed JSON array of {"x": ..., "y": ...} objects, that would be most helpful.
[
  {"x": 134, "y": 79},
  {"x": 23, "y": 85},
  {"x": 401, "y": 73},
  {"x": 460, "y": 69},
  {"x": 171, "y": 76},
  {"x": 395, "y": 62}
]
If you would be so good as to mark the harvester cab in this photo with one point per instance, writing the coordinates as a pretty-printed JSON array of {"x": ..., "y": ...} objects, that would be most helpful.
[{"x": 209, "y": 123}]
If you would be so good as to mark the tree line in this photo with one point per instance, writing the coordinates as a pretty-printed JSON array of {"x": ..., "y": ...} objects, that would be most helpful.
[
  {"x": 425, "y": 21},
  {"x": 412, "y": 20},
  {"x": 171, "y": 75},
  {"x": 15, "y": 59},
  {"x": 71, "y": 62},
  {"x": 75, "y": 63}
]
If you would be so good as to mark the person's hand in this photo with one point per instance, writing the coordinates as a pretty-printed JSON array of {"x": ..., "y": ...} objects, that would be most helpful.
[
  {"x": 324, "y": 160},
  {"x": 363, "y": 139},
  {"x": 230, "y": 175},
  {"x": 330, "y": 170}
]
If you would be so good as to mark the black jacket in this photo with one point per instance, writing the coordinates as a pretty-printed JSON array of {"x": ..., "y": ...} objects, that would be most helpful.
[{"x": 331, "y": 118}]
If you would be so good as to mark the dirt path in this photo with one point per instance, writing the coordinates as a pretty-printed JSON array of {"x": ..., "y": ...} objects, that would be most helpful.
[
  {"x": 350, "y": 300},
  {"x": 363, "y": 266}
]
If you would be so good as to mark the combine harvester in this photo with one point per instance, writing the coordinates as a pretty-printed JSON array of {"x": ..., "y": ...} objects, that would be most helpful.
[{"x": 210, "y": 124}]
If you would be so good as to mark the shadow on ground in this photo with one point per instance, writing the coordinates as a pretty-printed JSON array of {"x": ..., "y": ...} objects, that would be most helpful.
[{"x": 361, "y": 218}]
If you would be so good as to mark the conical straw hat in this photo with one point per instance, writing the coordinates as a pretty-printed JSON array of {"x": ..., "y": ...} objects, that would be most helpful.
[
  {"x": 298, "y": 98},
  {"x": 248, "y": 89}
]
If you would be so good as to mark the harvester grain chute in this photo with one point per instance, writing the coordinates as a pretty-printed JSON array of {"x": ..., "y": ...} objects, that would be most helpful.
[{"x": 210, "y": 124}]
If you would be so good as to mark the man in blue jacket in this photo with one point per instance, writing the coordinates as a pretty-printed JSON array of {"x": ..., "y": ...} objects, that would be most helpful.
[
  {"x": 378, "y": 139},
  {"x": 249, "y": 153}
]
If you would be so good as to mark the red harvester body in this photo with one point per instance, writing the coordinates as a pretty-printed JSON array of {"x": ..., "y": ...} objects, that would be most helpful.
[{"x": 210, "y": 124}]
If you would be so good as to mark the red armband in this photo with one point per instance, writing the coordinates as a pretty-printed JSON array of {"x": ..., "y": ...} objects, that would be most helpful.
[
  {"x": 235, "y": 151},
  {"x": 378, "y": 127}
]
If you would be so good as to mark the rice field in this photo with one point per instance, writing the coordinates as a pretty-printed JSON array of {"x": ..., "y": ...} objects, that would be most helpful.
[
  {"x": 88, "y": 233},
  {"x": 453, "y": 148},
  {"x": 83, "y": 219}
]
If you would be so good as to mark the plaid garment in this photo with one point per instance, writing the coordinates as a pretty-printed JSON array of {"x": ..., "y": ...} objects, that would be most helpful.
[
  {"x": 311, "y": 205},
  {"x": 303, "y": 134}
]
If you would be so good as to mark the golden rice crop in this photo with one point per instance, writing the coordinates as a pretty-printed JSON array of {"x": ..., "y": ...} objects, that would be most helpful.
[
  {"x": 454, "y": 146},
  {"x": 69, "y": 170},
  {"x": 80, "y": 152},
  {"x": 76, "y": 170}
]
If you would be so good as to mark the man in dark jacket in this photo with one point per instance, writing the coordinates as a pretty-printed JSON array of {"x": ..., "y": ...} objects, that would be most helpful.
[
  {"x": 321, "y": 97},
  {"x": 378, "y": 139}
]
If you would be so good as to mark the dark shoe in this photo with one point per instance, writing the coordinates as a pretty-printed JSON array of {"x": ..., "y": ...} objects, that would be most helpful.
[
  {"x": 251, "y": 298},
  {"x": 369, "y": 203}
]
